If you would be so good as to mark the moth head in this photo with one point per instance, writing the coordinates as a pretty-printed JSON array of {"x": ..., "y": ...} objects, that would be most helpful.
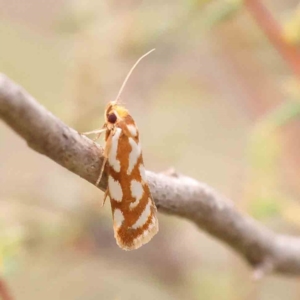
[{"x": 114, "y": 113}]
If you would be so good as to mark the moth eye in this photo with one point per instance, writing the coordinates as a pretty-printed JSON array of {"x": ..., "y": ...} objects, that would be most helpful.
[{"x": 112, "y": 118}]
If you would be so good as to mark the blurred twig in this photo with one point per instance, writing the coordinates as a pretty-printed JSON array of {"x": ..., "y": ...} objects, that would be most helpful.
[
  {"x": 174, "y": 194},
  {"x": 272, "y": 29},
  {"x": 4, "y": 291}
]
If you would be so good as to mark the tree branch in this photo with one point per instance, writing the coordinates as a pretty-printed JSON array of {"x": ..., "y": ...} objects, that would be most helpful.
[{"x": 174, "y": 194}]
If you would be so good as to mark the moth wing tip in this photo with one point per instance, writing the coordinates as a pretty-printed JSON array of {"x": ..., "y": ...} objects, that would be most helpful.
[{"x": 140, "y": 240}]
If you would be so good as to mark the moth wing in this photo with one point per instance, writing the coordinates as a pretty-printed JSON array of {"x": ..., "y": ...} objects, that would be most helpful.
[
  {"x": 129, "y": 235},
  {"x": 134, "y": 211}
]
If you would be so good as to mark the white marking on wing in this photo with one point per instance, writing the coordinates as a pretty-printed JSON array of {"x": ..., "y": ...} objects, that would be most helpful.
[
  {"x": 134, "y": 154},
  {"x": 143, "y": 238},
  {"x": 132, "y": 129},
  {"x": 137, "y": 192},
  {"x": 147, "y": 234},
  {"x": 118, "y": 218},
  {"x": 112, "y": 157},
  {"x": 142, "y": 173},
  {"x": 115, "y": 189},
  {"x": 144, "y": 216}
]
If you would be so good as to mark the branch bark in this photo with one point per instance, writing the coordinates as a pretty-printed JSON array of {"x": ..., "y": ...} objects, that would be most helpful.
[{"x": 174, "y": 194}]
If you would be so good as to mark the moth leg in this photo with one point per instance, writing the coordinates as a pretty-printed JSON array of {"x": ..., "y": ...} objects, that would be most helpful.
[
  {"x": 105, "y": 154},
  {"x": 105, "y": 196},
  {"x": 97, "y": 136},
  {"x": 101, "y": 172},
  {"x": 99, "y": 131}
]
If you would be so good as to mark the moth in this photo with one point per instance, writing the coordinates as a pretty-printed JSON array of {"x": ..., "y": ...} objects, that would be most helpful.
[{"x": 133, "y": 209}]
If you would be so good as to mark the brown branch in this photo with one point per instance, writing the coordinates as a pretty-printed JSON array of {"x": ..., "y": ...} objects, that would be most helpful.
[
  {"x": 290, "y": 53},
  {"x": 175, "y": 195}
]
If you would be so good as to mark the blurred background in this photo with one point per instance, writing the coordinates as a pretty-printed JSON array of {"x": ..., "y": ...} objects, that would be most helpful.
[{"x": 217, "y": 100}]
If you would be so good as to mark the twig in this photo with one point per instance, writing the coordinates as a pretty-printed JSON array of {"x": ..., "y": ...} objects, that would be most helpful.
[
  {"x": 176, "y": 194},
  {"x": 4, "y": 290},
  {"x": 290, "y": 53}
]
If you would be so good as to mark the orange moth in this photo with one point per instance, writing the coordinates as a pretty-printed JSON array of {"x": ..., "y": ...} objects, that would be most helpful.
[{"x": 133, "y": 209}]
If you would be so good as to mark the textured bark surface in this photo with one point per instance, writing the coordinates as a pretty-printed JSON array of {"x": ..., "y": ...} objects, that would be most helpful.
[{"x": 174, "y": 194}]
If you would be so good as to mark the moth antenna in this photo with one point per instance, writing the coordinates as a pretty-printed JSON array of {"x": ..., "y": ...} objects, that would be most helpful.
[{"x": 129, "y": 73}]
